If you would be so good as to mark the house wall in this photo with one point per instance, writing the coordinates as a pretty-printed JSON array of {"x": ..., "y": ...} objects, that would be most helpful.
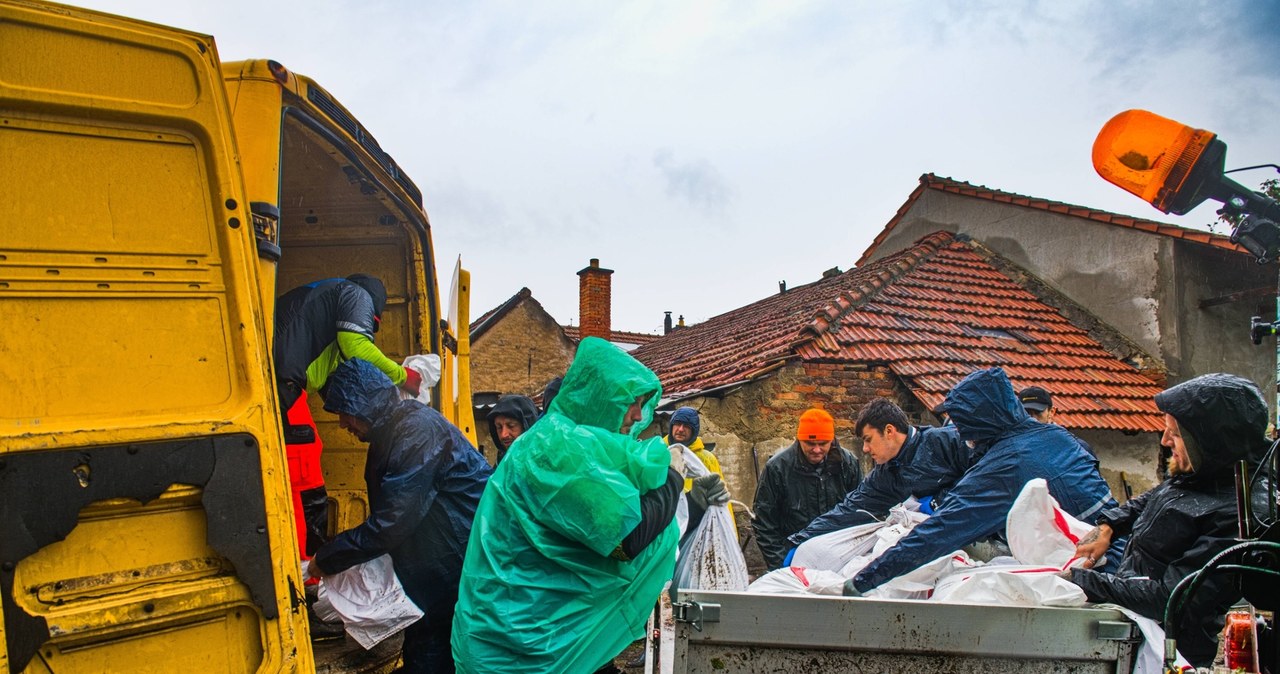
[
  {"x": 1146, "y": 286},
  {"x": 520, "y": 353}
]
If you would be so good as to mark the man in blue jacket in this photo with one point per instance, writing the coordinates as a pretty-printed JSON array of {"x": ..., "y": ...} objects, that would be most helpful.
[
  {"x": 424, "y": 480},
  {"x": 1012, "y": 449},
  {"x": 920, "y": 461}
]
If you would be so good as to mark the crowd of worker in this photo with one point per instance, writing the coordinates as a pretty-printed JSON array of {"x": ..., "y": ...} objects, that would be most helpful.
[{"x": 552, "y": 559}]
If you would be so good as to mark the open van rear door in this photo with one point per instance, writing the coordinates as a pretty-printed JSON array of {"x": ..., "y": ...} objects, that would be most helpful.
[{"x": 144, "y": 504}]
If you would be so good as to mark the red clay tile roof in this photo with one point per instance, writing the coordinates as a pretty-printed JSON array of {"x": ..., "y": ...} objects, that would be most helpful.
[
  {"x": 932, "y": 313},
  {"x": 616, "y": 335},
  {"x": 933, "y": 182}
]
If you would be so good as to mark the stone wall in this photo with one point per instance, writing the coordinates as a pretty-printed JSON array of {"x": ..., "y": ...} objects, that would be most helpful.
[{"x": 520, "y": 353}]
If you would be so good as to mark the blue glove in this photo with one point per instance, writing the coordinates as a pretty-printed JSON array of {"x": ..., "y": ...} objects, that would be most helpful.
[
  {"x": 926, "y": 505},
  {"x": 787, "y": 560}
]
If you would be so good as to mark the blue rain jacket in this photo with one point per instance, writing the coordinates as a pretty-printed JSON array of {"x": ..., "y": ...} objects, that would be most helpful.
[
  {"x": 1012, "y": 449},
  {"x": 930, "y": 462},
  {"x": 424, "y": 479},
  {"x": 544, "y": 589}
]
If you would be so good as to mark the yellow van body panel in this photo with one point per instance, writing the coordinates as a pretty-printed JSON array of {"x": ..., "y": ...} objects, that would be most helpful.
[{"x": 145, "y": 523}]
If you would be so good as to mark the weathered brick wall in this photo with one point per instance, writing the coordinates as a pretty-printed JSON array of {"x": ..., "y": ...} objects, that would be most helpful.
[
  {"x": 752, "y": 423},
  {"x": 595, "y": 301},
  {"x": 520, "y": 353}
]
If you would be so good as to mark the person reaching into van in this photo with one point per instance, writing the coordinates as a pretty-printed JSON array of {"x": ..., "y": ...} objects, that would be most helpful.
[
  {"x": 424, "y": 480},
  {"x": 318, "y": 326}
]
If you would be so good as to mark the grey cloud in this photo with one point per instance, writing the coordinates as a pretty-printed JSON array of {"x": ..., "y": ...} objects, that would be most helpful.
[{"x": 696, "y": 182}]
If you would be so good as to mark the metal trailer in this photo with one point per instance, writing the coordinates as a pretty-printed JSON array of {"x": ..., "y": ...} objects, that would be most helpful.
[{"x": 718, "y": 632}]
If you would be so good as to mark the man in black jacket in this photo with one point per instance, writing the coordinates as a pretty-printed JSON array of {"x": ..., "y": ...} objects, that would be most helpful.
[
  {"x": 800, "y": 483},
  {"x": 920, "y": 461},
  {"x": 317, "y": 327},
  {"x": 424, "y": 480},
  {"x": 1211, "y": 423},
  {"x": 510, "y": 417}
]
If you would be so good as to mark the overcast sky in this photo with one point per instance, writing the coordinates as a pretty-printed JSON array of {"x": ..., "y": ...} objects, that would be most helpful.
[{"x": 705, "y": 151}]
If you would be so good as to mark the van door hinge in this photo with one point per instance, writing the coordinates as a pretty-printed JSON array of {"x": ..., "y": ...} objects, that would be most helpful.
[{"x": 695, "y": 614}]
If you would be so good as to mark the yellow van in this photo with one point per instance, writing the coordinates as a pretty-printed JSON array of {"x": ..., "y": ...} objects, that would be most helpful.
[{"x": 153, "y": 203}]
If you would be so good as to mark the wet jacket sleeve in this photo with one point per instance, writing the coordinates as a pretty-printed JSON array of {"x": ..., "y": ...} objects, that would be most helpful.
[
  {"x": 770, "y": 500},
  {"x": 408, "y": 488},
  {"x": 871, "y": 500},
  {"x": 975, "y": 508},
  {"x": 657, "y": 508},
  {"x": 356, "y": 345},
  {"x": 1121, "y": 518},
  {"x": 1148, "y": 596}
]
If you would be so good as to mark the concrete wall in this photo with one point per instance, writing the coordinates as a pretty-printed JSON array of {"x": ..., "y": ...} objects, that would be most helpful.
[
  {"x": 1125, "y": 459},
  {"x": 521, "y": 352},
  {"x": 1110, "y": 270}
]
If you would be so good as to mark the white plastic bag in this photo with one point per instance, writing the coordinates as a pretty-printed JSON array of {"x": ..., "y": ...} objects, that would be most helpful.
[
  {"x": 835, "y": 551},
  {"x": 369, "y": 600},
  {"x": 1009, "y": 585},
  {"x": 428, "y": 367},
  {"x": 797, "y": 580},
  {"x": 1040, "y": 532},
  {"x": 919, "y": 582},
  {"x": 709, "y": 558}
]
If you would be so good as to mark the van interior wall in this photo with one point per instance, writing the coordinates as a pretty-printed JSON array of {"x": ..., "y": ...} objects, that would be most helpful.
[{"x": 334, "y": 223}]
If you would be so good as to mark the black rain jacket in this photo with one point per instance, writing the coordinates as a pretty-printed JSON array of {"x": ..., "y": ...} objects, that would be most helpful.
[
  {"x": 308, "y": 319},
  {"x": 424, "y": 480},
  {"x": 520, "y": 408},
  {"x": 792, "y": 492},
  {"x": 1178, "y": 526}
]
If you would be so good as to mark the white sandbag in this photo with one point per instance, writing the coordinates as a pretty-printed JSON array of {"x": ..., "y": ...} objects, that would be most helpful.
[
  {"x": 919, "y": 582},
  {"x": 1040, "y": 532},
  {"x": 428, "y": 367},
  {"x": 709, "y": 558},
  {"x": 369, "y": 600},
  {"x": 797, "y": 580},
  {"x": 835, "y": 551},
  {"x": 693, "y": 467},
  {"x": 1009, "y": 585}
]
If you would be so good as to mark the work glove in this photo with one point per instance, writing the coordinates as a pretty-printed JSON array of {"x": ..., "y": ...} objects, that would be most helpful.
[
  {"x": 851, "y": 590},
  {"x": 412, "y": 382},
  {"x": 708, "y": 490},
  {"x": 677, "y": 457}
]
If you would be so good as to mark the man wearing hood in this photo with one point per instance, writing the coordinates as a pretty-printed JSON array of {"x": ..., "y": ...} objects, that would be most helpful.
[
  {"x": 1011, "y": 449},
  {"x": 317, "y": 327},
  {"x": 424, "y": 480},
  {"x": 686, "y": 429},
  {"x": 1210, "y": 423},
  {"x": 511, "y": 416},
  {"x": 573, "y": 542},
  {"x": 800, "y": 483}
]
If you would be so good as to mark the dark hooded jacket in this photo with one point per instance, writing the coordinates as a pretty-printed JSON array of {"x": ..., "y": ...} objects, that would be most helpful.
[
  {"x": 1012, "y": 449},
  {"x": 309, "y": 318},
  {"x": 520, "y": 408},
  {"x": 792, "y": 492},
  {"x": 424, "y": 480},
  {"x": 930, "y": 462},
  {"x": 1179, "y": 525}
]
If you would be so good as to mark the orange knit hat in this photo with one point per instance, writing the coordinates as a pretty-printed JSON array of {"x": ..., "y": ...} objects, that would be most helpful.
[{"x": 816, "y": 424}]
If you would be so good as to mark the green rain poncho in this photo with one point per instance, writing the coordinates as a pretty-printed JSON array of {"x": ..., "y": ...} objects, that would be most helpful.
[{"x": 540, "y": 592}]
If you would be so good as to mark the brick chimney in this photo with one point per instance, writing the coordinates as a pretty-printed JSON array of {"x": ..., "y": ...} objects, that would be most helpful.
[{"x": 594, "y": 301}]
